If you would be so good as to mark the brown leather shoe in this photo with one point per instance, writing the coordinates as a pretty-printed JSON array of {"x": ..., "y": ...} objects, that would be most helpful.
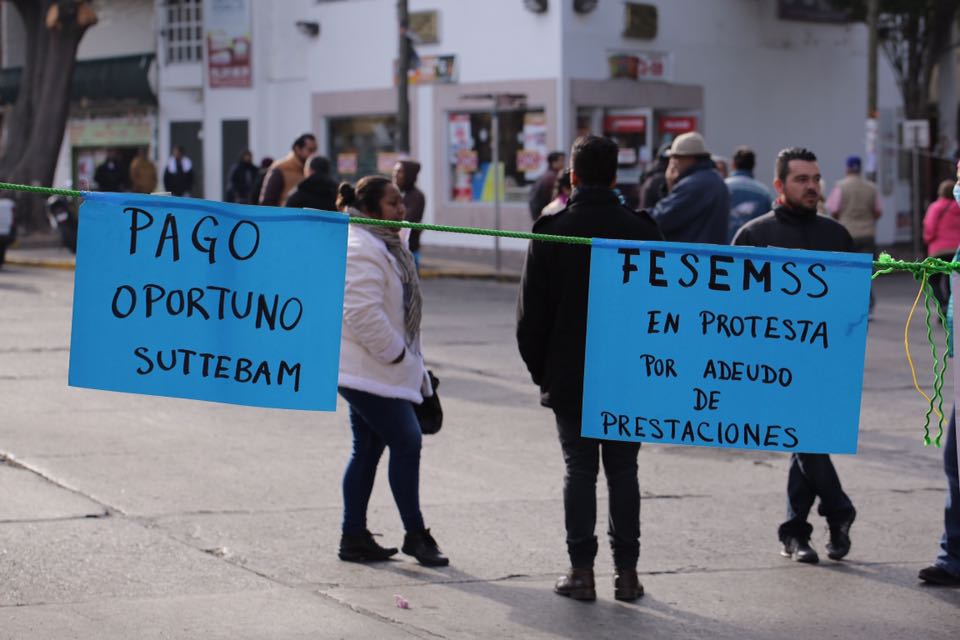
[
  {"x": 577, "y": 584},
  {"x": 626, "y": 585}
]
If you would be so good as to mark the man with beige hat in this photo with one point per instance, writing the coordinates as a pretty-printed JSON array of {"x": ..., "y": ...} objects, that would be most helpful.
[{"x": 697, "y": 207}]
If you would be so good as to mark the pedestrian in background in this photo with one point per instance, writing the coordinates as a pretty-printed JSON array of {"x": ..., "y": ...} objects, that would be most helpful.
[
  {"x": 110, "y": 175},
  {"x": 405, "y": 174},
  {"x": 318, "y": 190},
  {"x": 855, "y": 203},
  {"x": 653, "y": 184},
  {"x": 542, "y": 190},
  {"x": 945, "y": 570},
  {"x": 697, "y": 205},
  {"x": 178, "y": 176},
  {"x": 749, "y": 198},
  {"x": 241, "y": 180},
  {"x": 265, "y": 164},
  {"x": 941, "y": 233},
  {"x": 720, "y": 164},
  {"x": 561, "y": 195},
  {"x": 794, "y": 224},
  {"x": 287, "y": 172},
  {"x": 143, "y": 173},
  {"x": 551, "y": 336},
  {"x": 382, "y": 373}
]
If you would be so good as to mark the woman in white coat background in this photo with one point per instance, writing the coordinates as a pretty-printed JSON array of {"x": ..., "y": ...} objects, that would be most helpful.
[{"x": 382, "y": 373}]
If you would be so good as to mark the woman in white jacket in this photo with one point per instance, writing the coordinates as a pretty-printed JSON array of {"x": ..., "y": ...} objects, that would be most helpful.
[{"x": 382, "y": 373}]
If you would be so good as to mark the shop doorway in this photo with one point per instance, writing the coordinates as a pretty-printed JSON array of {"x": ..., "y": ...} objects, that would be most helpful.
[
  {"x": 87, "y": 159},
  {"x": 234, "y": 140},
  {"x": 188, "y": 135},
  {"x": 632, "y": 130}
]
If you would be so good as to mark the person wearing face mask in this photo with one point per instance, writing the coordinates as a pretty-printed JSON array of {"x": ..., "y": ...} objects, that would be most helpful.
[
  {"x": 382, "y": 373},
  {"x": 941, "y": 233},
  {"x": 945, "y": 570},
  {"x": 795, "y": 224}
]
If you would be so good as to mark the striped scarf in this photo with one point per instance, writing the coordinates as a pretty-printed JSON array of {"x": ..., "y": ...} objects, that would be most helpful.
[{"x": 412, "y": 299}]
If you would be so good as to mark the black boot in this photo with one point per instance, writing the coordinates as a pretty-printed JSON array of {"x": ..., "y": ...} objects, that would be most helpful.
[
  {"x": 577, "y": 584},
  {"x": 361, "y": 547},
  {"x": 422, "y": 546},
  {"x": 626, "y": 585},
  {"x": 839, "y": 545}
]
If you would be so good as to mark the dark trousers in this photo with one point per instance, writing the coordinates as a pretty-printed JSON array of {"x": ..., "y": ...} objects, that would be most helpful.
[
  {"x": 949, "y": 557},
  {"x": 811, "y": 476},
  {"x": 377, "y": 423},
  {"x": 582, "y": 457}
]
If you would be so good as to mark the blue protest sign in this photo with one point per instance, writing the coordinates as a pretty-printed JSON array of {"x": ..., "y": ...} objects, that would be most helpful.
[
  {"x": 211, "y": 301},
  {"x": 734, "y": 347}
]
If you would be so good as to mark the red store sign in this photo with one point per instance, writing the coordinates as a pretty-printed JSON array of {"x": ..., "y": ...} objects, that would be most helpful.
[
  {"x": 678, "y": 124},
  {"x": 625, "y": 124}
]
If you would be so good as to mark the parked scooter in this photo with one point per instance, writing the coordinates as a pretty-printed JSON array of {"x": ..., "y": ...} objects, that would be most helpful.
[{"x": 64, "y": 220}]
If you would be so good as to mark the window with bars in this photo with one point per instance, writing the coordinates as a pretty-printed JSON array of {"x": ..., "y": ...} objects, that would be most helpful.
[{"x": 183, "y": 31}]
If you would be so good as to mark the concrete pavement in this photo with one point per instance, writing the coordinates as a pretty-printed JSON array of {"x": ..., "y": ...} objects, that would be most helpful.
[{"x": 132, "y": 516}]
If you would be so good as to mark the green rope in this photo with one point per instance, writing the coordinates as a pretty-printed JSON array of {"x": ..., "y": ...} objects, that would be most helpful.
[
  {"x": 939, "y": 365},
  {"x": 70, "y": 193},
  {"x": 523, "y": 235},
  {"x": 397, "y": 224},
  {"x": 884, "y": 264}
]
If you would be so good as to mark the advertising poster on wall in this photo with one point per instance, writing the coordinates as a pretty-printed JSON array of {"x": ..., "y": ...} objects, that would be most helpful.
[
  {"x": 532, "y": 159},
  {"x": 228, "y": 34}
]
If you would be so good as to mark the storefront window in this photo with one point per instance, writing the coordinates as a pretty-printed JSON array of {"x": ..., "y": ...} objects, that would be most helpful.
[
  {"x": 363, "y": 145},
  {"x": 639, "y": 132},
  {"x": 522, "y": 154}
]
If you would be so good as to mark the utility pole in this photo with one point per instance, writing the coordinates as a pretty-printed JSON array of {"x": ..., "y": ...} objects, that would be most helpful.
[
  {"x": 403, "y": 65},
  {"x": 873, "y": 10}
]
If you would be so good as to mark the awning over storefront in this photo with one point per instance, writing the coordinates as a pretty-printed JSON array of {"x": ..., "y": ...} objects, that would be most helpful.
[{"x": 104, "y": 80}]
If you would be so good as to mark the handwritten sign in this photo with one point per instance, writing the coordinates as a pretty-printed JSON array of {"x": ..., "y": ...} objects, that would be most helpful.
[
  {"x": 195, "y": 299},
  {"x": 733, "y": 347}
]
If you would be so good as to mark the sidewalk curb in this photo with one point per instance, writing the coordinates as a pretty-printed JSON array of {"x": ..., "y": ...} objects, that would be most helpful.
[
  {"x": 434, "y": 274},
  {"x": 46, "y": 263}
]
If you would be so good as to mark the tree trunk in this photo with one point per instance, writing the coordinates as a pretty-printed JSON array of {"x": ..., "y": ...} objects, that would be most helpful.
[
  {"x": 34, "y": 131},
  {"x": 15, "y": 134}
]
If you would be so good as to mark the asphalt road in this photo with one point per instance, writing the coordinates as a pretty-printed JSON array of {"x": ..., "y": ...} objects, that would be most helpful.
[{"x": 128, "y": 516}]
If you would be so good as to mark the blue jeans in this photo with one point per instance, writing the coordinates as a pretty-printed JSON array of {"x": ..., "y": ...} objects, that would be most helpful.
[
  {"x": 949, "y": 557},
  {"x": 377, "y": 423},
  {"x": 812, "y": 475}
]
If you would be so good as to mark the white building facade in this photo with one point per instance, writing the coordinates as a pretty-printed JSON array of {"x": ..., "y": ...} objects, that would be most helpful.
[{"x": 742, "y": 72}]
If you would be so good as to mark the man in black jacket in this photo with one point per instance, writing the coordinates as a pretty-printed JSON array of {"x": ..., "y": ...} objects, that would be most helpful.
[
  {"x": 794, "y": 224},
  {"x": 240, "y": 180},
  {"x": 318, "y": 190},
  {"x": 551, "y": 334}
]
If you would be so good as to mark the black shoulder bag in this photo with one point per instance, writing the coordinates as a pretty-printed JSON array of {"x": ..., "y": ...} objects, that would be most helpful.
[{"x": 429, "y": 412}]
